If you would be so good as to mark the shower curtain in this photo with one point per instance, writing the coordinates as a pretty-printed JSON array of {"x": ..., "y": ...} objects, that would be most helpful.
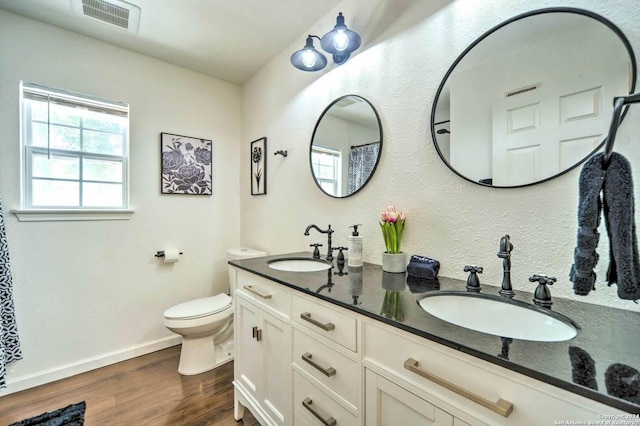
[
  {"x": 9, "y": 343},
  {"x": 362, "y": 160}
]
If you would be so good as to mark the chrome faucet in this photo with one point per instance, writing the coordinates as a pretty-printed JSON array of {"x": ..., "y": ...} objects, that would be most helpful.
[
  {"x": 327, "y": 231},
  {"x": 505, "y": 255}
]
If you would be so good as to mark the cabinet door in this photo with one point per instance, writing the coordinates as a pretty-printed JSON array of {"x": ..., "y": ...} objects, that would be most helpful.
[
  {"x": 388, "y": 404},
  {"x": 276, "y": 355},
  {"x": 248, "y": 359}
]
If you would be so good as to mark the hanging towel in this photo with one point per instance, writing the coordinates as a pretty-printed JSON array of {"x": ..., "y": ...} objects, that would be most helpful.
[
  {"x": 616, "y": 184},
  {"x": 619, "y": 206},
  {"x": 589, "y": 208}
]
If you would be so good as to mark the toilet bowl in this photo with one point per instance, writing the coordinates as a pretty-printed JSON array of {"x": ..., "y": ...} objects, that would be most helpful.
[
  {"x": 202, "y": 323},
  {"x": 206, "y": 326}
]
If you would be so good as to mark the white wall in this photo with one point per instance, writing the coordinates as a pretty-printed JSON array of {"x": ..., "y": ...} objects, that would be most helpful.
[
  {"x": 408, "y": 47},
  {"x": 87, "y": 293}
]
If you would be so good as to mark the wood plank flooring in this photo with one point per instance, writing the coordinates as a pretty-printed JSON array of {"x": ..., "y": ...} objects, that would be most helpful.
[{"x": 147, "y": 390}]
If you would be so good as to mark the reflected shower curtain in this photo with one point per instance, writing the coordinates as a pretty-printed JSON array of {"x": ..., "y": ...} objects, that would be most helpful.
[
  {"x": 362, "y": 160},
  {"x": 9, "y": 343}
]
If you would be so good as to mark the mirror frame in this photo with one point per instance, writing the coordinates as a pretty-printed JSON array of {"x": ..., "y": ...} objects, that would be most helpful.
[
  {"x": 577, "y": 11},
  {"x": 315, "y": 129}
]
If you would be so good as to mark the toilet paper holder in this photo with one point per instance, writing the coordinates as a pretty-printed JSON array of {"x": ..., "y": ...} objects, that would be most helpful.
[{"x": 161, "y": 253}]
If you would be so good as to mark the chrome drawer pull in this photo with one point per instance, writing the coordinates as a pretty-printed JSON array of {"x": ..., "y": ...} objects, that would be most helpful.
[
  {"x": 256, "y": 292},
  {"x": 502, "y": 407},
  {"x": 329, "y": 421},
  {"x": 259, "y": 335},
  {"x": 329, "y": 371},
  {"x": 255, "y": 331},
  {"x": 326, "y": 327}
]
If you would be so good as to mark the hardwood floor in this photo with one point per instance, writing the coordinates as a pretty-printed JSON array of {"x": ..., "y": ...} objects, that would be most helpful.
[{"x": 147, "y": 390}]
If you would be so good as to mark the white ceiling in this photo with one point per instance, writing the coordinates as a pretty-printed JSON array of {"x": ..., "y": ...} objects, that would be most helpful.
[{"x": 227, "y": 39}]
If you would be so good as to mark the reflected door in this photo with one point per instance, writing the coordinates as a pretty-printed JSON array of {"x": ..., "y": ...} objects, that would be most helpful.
[{"x": 538, "y": 133}]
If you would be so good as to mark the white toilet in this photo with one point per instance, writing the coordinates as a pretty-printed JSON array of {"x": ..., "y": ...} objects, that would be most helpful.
[{"x": 206, "y": 326}]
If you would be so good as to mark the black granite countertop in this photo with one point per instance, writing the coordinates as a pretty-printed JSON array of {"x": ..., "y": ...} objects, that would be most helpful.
[{"x": 601, "y": 363}]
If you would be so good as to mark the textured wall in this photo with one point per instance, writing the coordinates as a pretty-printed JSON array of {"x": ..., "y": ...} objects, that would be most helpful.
[
  {"x": 86, "y": 292},
  {"x": 408, "y": 47}
]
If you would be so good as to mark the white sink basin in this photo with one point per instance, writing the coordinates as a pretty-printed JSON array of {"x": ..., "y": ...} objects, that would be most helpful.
[
  {"x": 298, "y": 264},
  {"x": 499, "y": 316}
]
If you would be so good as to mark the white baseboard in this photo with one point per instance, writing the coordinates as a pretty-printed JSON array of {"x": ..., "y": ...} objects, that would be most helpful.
[{"x": 51, "y": 375}]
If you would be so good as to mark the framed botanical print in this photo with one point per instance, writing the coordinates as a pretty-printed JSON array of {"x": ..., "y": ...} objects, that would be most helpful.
[
  {"x": 186, "y": 165},
  {"x": 259, "y": 167}
]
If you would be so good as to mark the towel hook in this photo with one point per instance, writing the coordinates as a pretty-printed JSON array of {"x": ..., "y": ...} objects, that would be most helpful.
[
  {"x": 281, "y": 152},
  {"x": 616, "y": 117}
]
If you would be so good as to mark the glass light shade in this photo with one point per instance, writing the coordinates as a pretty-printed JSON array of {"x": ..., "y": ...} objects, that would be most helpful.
[
  {"x": 308, "y": 58},
  {"x": 341, "y": 40}
]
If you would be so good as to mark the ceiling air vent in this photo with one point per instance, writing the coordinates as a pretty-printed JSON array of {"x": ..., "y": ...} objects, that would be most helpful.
[
  {"x": 113, "y": 12},
  {"x": 346, "y": 101},
  {"x": 522, "y": 90}
]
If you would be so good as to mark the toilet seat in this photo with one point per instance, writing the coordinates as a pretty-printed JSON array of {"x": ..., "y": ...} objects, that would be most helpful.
[{"x": 199, "y": 308}]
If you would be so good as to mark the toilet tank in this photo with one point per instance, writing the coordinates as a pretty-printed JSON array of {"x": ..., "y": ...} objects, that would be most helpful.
[
  {"x": 244, "y": 253},
  {"x": 241, "y": 253}
]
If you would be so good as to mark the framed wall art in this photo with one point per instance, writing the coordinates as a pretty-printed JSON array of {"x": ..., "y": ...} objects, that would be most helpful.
[
  {"x": 186, "y": 165},
  {"x": 259, "y": 167}
]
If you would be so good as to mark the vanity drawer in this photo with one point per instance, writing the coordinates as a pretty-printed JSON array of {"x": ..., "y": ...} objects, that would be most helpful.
[
  {"x": 329, "y": 322},
  {"x": 275, "y": 298},
  {"x": 388, "y": 350},
  {"x": 331, "y": 368},
  {"x": 313, "y": 404}
]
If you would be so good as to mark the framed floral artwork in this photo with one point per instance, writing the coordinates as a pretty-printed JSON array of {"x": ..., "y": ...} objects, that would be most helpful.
[
  {"x": 259, "y": 167},
  {"x": 186, "y": 165}
]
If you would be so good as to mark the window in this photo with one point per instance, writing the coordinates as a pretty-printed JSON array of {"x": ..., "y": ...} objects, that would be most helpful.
[
  {"x": 75, "y": 151},
  {"x": 327, "y": 169}
]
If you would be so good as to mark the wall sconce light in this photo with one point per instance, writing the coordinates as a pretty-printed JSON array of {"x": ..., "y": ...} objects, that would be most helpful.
[{"x": 340, "y": 42}]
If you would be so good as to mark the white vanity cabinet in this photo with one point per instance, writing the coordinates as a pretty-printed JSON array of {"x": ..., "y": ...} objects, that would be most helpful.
[
  {"x": 301, "y": 360},
  {"x": 262, "y": 370}
]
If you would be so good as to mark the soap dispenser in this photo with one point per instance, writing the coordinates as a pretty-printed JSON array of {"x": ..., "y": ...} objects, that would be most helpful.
[{"x": 355, "y": 247}]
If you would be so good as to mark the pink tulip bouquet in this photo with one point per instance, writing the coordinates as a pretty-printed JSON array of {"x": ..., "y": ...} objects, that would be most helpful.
[{"x": 392, "y": 224}]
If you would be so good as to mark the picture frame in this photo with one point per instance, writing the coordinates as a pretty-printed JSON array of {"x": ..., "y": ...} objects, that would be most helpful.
[
  {"x": 258, "y": 159},
  {"x": 186, "y": 165}
]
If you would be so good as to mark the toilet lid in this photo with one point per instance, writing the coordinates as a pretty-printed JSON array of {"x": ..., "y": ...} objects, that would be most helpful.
[{"x": 198, "y": 308}]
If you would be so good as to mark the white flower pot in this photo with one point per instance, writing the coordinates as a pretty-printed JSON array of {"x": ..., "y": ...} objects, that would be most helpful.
[{"x": 395, "y": 263}]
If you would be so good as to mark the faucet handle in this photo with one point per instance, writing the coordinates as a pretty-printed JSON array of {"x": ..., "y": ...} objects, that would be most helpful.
[
  {"x": 316, "y": 251},
  {"x": 473, "y": 282},
  {"x": 543, "y": 279},
  {"x": 473, "y": 269},
  {"x": 542, "y": 295}
]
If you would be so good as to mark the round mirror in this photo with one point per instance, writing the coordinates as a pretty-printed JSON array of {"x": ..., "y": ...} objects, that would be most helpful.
[
  {"x": 345, "y": 146},
  {"x": 531, "y": 98}
]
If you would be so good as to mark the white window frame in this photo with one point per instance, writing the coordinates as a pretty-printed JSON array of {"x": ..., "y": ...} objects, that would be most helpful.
[
  {"x": 28, "y": 212},
  {"x": 337, "y": 168}
]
